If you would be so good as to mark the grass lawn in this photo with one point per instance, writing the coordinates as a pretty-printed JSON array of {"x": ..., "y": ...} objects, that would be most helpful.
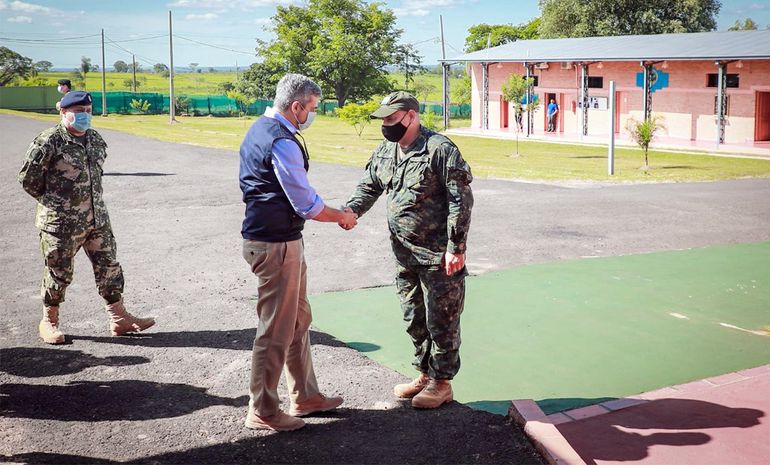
[
  {"x": 331, "y": 140},
  {"x": 208, "y": 83}
]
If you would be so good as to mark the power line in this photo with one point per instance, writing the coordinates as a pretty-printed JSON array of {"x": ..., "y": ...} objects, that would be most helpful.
[{"x": 215, "y": 46}]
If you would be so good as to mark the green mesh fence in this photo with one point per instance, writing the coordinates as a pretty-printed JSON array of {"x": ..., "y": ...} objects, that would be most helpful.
[{"x": 43, "y": 99}]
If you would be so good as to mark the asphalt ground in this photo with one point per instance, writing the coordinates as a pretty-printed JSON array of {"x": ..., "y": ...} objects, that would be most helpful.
[{"x": 178, "y": 393}]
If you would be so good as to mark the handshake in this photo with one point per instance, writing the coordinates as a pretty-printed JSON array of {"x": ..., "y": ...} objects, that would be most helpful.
[{"x": 348, "y": 218}]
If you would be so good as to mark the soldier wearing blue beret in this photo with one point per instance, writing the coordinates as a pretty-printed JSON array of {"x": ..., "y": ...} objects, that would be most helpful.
[{"x": 63, "y": 172}]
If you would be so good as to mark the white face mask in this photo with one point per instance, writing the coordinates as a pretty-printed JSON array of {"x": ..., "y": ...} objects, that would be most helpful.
[
  {"x": 60, "y": 89},
  {"x": 308, "y": 121}
]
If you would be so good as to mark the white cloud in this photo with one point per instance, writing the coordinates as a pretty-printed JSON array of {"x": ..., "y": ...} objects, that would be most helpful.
[
  {"x": 202, "y": 17},
  {"x": 424, "y": 7},
  {"x": 231, "y": 4},
  {"x": 758, "y": 6},
  {"x": 30, "y": 8},
  {"x": 262, "y": 21},
  {"x": 3, "y": 5},
  {"x": 20, "y": 19}
]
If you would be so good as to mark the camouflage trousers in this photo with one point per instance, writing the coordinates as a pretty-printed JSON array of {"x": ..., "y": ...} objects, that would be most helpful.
[
  {"x": 59, "y": 250},
  {"x": 432, "y": 303}
]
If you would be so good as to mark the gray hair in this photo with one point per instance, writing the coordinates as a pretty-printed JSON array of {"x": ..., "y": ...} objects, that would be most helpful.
[{"x": 294, "y": 87}]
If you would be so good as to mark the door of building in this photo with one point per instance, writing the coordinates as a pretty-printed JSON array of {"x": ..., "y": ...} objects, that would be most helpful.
[
  {"x": 503, "y": 113},
  {"x": 762, "y": 117},
  {"x": 546, "y": 102}
]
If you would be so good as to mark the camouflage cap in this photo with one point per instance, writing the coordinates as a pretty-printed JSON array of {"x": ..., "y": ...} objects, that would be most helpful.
[{"x": 394, "y": 102}]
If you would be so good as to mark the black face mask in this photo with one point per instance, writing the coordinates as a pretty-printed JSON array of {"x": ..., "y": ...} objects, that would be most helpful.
[{"x": 395, "y": 132}]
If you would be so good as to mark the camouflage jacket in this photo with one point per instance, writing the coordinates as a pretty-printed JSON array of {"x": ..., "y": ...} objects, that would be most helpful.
[
  {"x": 429, "y": 197},
  {"x": 66, "y": 180}
]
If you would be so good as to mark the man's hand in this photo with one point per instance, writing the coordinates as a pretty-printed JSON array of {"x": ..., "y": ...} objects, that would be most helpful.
[
  {"x": 348, "y": 220},
  {"x": 453, "y": 262}
]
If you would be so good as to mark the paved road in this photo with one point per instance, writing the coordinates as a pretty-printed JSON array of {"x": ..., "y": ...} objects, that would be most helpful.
[{"x": 178, "y": 394}]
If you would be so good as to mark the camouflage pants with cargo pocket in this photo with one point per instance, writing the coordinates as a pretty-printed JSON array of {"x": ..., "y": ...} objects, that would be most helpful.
[
  {"x": 432, "y": 303},
  {"x": 59, "y": 250}
]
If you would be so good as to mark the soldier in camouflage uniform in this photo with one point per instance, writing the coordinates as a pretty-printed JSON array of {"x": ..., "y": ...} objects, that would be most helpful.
[
  {"x": 429, "y": 203},
  {"x": 63, "y": 172}
]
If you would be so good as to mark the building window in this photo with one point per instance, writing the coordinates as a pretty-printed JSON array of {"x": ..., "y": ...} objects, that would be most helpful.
[
  {"x": 595, "y": 82},
  {"x": 732, "y": 80}
]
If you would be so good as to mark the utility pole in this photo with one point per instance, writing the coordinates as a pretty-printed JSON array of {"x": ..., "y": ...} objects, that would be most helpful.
[
  {"x": 236, "y": 70},
  {"x": 170, "y": 72},
  {"x": 104, "y": 81},
  {"x": 444, "y": 76},
  {"x": 133, "y": 68}
]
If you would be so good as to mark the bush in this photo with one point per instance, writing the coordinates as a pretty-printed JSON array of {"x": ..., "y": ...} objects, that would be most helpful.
[
  {"x": 357, "y": 115},
  {"x": 430, "y": 120},
  {"x": 140, "y": 105}
]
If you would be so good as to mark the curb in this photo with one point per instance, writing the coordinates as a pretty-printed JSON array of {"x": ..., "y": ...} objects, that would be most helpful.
[{"x": 542, "y": 431}]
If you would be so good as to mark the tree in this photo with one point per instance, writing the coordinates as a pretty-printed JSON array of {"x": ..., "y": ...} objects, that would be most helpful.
[
  {"x": 423, "y": 88},
  {"x": 138, "y": 67},
  {"x": 747, "y": 25},
  {"x": 193, "y": 66},
  {"x": 241, "y": 99},
  {"x": 514, "y": 90},
  {"x": 14, "y": 66},
  {"x": 461, "y": 93},
  {"x": 159, "y": 68},
  {"x": 644, "y": 132},
  {"x": 85, "y": 67},
  {"x": 409, "y": 63},
  {"x": 587, "y": 18},
  {"x": 120, "y": 66},
  {"x": 77, "y": 78},
  {"x": 357, "y": 115},
  {"x": 498, "y": 34},
  {"x": 344, "y": 45},
  {"x": 43, "y": 66},
  {"x": 259, "y": 81}
]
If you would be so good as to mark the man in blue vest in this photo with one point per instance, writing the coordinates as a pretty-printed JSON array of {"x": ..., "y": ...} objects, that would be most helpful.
[{"x": 279, "y": 198}]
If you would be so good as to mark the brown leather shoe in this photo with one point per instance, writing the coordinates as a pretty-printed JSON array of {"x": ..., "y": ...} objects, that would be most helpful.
[
  {"x": 278, "y": 422},
  {"x": 437, "y": 393},
  {"x": 317, "y": 403},
  {"x": 411, "y": 389}
]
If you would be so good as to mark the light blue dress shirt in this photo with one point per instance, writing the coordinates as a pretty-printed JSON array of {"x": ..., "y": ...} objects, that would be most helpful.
[{"x": 289, "y": 168}]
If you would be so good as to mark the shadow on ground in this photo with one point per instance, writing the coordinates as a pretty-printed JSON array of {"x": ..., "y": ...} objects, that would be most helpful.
[
  {"x": 236, "y": 339},
  {"x": 37, "y": 362},
  {"x": 96, "y": 401},
  {"x": 354, "y": 436},
  {"x": 621, "y": 442}
]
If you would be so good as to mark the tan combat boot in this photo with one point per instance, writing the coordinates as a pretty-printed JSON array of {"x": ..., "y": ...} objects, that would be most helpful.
[
  {"x": 49, "y": 326},
  {"x": 411, "y": 389},
  {"x": 122, "y": 322},
  {"x": 437, "y": 393}
]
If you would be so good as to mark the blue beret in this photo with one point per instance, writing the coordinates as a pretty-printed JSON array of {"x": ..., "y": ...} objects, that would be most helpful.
[{"x": 77, "y": 97}]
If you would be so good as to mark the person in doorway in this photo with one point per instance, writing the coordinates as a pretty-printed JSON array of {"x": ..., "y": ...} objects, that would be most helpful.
[
  {"x": 63, "y": 172},
  {"x": 553, "y": 113},
  {"x": 279, "y": 198},
  {"x": 429, "y": 202}
]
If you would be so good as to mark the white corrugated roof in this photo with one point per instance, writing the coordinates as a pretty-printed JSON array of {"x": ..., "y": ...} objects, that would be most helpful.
[{"x": 728, "y": 45}]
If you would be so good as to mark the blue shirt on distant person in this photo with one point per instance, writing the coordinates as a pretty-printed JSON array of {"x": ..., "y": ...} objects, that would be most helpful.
[{"x": 552, "y": 108}]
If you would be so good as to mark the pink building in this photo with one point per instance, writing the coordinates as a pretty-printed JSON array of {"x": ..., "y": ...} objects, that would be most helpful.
[{"x": 688, "y": 79}]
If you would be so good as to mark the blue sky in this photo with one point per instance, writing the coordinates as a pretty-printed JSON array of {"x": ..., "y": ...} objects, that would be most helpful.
[{"x": 61, "y": 32}]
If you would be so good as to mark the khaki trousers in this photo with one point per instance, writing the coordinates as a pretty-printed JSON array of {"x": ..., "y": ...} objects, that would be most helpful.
[{"x": 283, "y": 337}]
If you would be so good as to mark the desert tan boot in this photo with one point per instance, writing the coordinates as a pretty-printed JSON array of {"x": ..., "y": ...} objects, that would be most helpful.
[
  {"x": 411, "y": 389},
  {"x": 437, "y": 393},
  {"x": 49, "y": 326},
  {"x": 122, "y": 322},
  {"x": 278, "y": 422},
  {"x": 317, "y": 403}
]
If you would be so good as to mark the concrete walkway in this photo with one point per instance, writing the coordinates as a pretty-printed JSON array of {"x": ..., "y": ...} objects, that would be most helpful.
[
  {"x": 721, "y": 420},
  {"x": 748, "y": 150}
]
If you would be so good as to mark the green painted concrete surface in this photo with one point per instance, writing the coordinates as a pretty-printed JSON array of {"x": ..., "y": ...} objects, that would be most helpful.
[{"x": 575, "y": 333}]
